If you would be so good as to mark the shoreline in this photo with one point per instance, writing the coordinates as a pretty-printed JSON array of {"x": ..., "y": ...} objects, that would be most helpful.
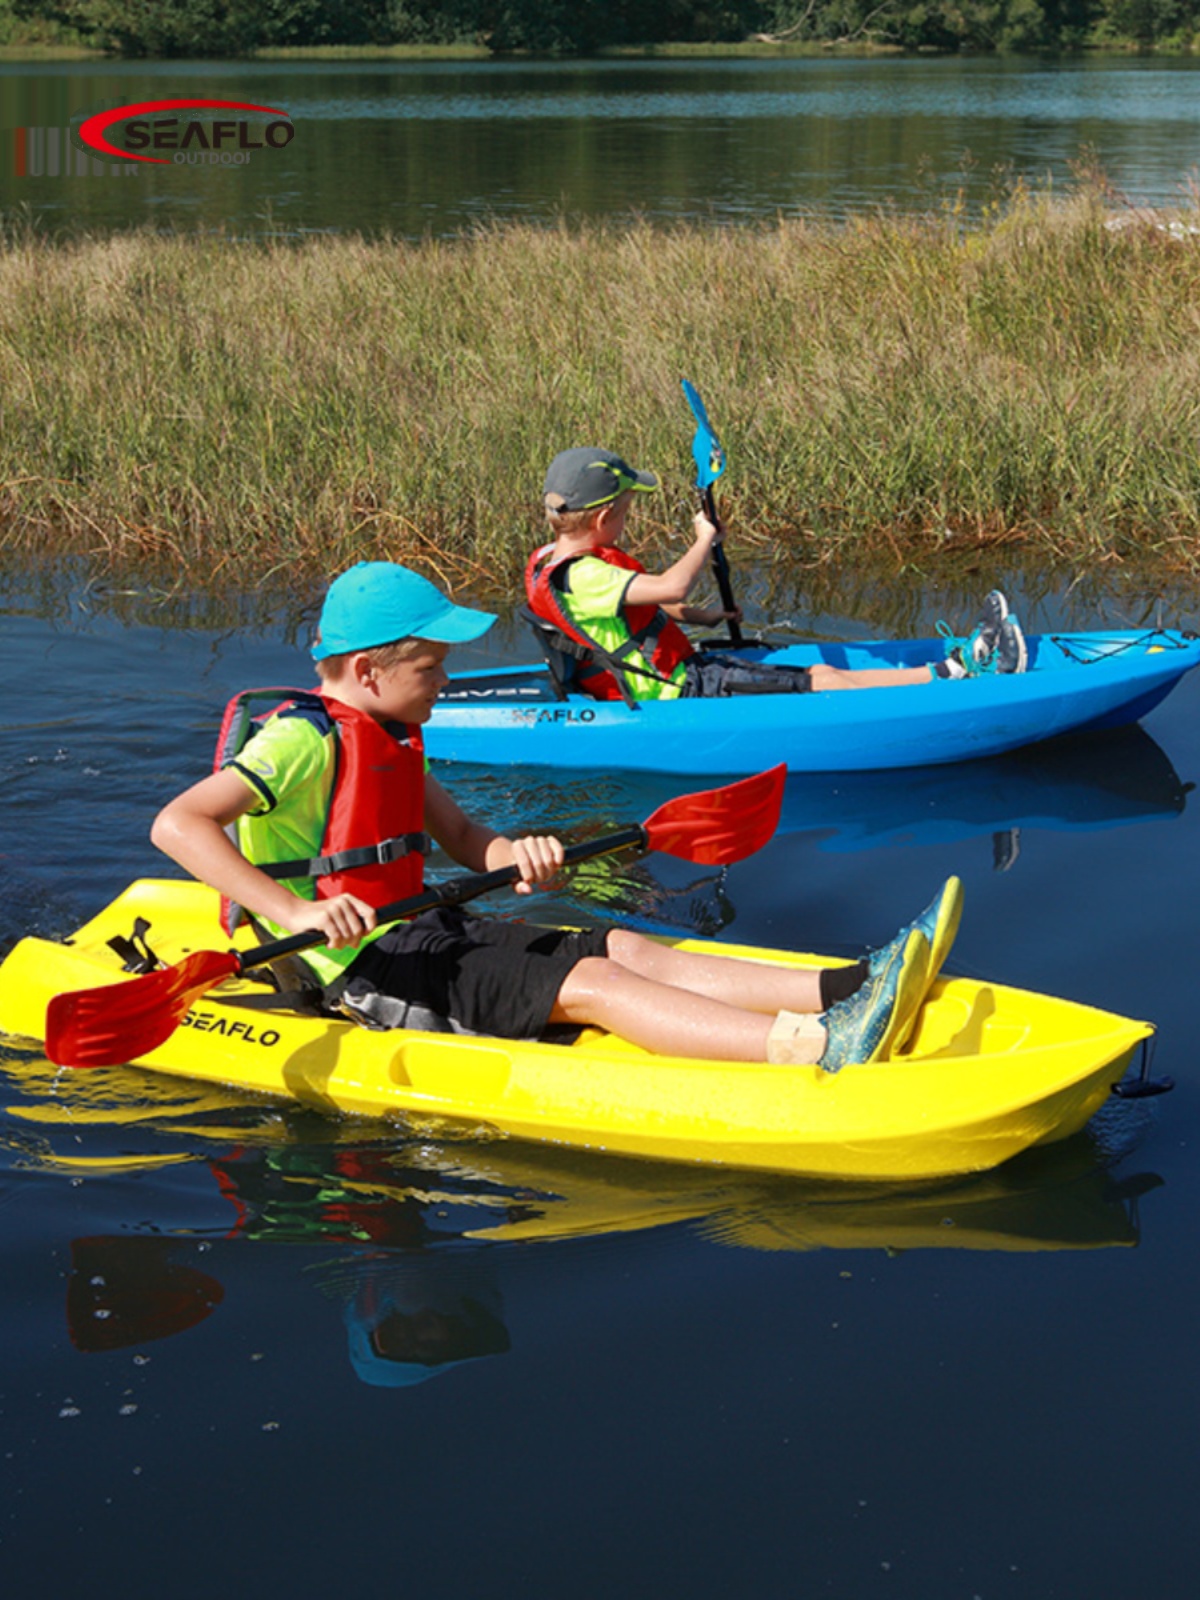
[
  {"x": 748, "y": 49},
  {"x": 875, "y": 597}
]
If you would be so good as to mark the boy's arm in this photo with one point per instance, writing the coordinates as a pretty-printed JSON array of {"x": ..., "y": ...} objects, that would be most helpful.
[
  {"x": 191, "y": 830},
  {"x": 673, "y": 586},
  {"x": 482, "y": 849},
  {"x": 704, "y": 616}
]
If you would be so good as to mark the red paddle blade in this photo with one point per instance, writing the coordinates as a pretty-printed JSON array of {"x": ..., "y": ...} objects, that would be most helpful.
[
  {"x": 108, "y": 1026},
  {"x": 718, "y": 826}
]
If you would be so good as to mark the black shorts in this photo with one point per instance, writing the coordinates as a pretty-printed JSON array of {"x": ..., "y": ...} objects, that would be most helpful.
[
  {"x": 711, "y": 676},
  {"x": 480, "y": 974}
]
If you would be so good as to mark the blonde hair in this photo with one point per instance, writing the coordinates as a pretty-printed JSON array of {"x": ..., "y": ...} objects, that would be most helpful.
[
  {"x": 381, "y": 656},
  {"x": 568, "y": 522}
]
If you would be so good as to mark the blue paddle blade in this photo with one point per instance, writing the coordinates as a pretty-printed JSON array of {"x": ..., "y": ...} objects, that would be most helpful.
[{"x": 706, "y": 447}]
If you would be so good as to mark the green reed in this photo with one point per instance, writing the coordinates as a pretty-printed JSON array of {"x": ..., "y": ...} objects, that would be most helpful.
[{"x": 901, "y": 386}]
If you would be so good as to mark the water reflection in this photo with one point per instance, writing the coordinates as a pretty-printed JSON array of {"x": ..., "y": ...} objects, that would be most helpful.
[
  {"x": 424, "y": 147},
  {"x": 1081, "y": 783},
  {"x": 410, "y": 1241},
  {"x": 129, "y": 1290},
  {"x": 416, "y": 1274},
  {"x": 1066, "y": 785}
]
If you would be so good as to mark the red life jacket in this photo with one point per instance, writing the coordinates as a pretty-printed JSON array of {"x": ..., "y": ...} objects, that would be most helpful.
[
  {"x": 373, "y": 844},
  {"x": 650, "y": 630}
]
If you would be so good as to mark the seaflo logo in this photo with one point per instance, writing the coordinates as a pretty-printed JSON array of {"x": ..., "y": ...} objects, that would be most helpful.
[
  {"x": 123, "y": 133},
  {"x": 209, "y": 1022}
]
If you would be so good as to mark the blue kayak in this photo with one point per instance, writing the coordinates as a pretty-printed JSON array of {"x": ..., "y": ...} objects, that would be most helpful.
[{"x": 513, "y": 716}]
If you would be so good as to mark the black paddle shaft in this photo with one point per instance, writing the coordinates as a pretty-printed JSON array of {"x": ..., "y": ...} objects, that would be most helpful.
[
  {"x": 721, "y": 568},
  {"x": 455, "y": 892}
]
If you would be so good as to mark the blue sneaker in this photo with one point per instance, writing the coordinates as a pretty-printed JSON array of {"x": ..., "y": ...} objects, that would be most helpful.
[
  {"x": 939, "y": 923},
  {"x": 867, "y": 1025}
]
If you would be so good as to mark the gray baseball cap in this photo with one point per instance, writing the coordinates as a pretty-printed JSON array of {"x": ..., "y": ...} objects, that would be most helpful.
[{"x": 582, "y": 479}]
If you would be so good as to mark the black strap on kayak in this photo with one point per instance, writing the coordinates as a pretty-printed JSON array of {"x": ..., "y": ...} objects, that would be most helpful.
[
  {"x": 136, "y": 955},
  {"x": 367, "y": 855},
  {"x": 559, "y": 651}
]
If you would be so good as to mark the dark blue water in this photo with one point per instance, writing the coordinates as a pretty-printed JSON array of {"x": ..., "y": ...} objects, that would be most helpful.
[{"x": 249, "y": 1348}]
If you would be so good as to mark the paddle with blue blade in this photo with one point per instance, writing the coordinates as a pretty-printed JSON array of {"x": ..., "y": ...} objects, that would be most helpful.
[
  {"x": 710, "y": 464},
  {"x": 121, "y": 1021}
]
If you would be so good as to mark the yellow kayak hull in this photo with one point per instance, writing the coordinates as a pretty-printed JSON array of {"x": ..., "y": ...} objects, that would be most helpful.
[{"x": 990, "y": 1071}]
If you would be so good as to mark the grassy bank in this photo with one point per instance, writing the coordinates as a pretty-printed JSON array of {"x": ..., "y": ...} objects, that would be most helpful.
[{"x": 900, "y": 387}]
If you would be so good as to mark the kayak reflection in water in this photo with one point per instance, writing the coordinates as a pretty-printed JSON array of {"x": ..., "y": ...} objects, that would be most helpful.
[{"x": 414, "y": 1232}]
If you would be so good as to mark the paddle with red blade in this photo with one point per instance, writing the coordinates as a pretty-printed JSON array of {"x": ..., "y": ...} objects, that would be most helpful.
[{"x": 119, "y": 1022}]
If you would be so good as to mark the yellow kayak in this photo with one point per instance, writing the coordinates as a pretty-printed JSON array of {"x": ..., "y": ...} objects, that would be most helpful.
[{"x": 989, "y": 1072}]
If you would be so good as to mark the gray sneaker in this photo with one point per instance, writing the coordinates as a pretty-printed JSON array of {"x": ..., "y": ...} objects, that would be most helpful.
[
  {"x": 976, "y": 654},
  {"x": 983, "y": 642},
  {"x": 1011, "y": 653},
  {"x": 866, "y": 1026}
]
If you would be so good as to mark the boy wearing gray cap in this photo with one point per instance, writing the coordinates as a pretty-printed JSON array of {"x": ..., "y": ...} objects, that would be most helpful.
[{"x": 626, "y": 621}]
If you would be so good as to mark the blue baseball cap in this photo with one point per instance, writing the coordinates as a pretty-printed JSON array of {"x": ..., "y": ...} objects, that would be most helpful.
[{"x": 378, "y": 602}]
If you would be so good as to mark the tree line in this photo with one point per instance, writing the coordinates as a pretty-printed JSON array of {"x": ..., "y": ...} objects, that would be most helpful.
[{"x": 586, "y": 27}]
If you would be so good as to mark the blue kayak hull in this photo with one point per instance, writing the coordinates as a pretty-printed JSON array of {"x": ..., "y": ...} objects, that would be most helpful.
[{"x": 1075, "y": 682}]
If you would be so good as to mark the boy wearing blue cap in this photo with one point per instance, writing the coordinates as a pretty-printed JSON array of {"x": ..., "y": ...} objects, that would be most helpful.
[
  {"x": 626, "y": 621},
  {"x": 325, "y": 813}
]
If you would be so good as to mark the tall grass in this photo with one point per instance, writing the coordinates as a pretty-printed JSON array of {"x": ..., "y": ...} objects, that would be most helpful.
[{"x": 911, "y": 386}]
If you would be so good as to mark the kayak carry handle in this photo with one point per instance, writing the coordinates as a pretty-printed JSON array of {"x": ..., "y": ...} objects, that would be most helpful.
[{"x": 1143, "y": 1086}]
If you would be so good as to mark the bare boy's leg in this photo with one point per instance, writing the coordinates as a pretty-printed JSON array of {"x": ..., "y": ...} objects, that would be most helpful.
[
  {"x": 748, "y": 985},
  {"x": 827, "y": 677},
  {"x": 666, "y": 1019}
]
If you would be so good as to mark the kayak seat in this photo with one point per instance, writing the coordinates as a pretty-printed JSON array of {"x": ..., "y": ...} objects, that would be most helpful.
[
  {"x": 382, "y": 1013},
  {"x": 562, "y": 654}
]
